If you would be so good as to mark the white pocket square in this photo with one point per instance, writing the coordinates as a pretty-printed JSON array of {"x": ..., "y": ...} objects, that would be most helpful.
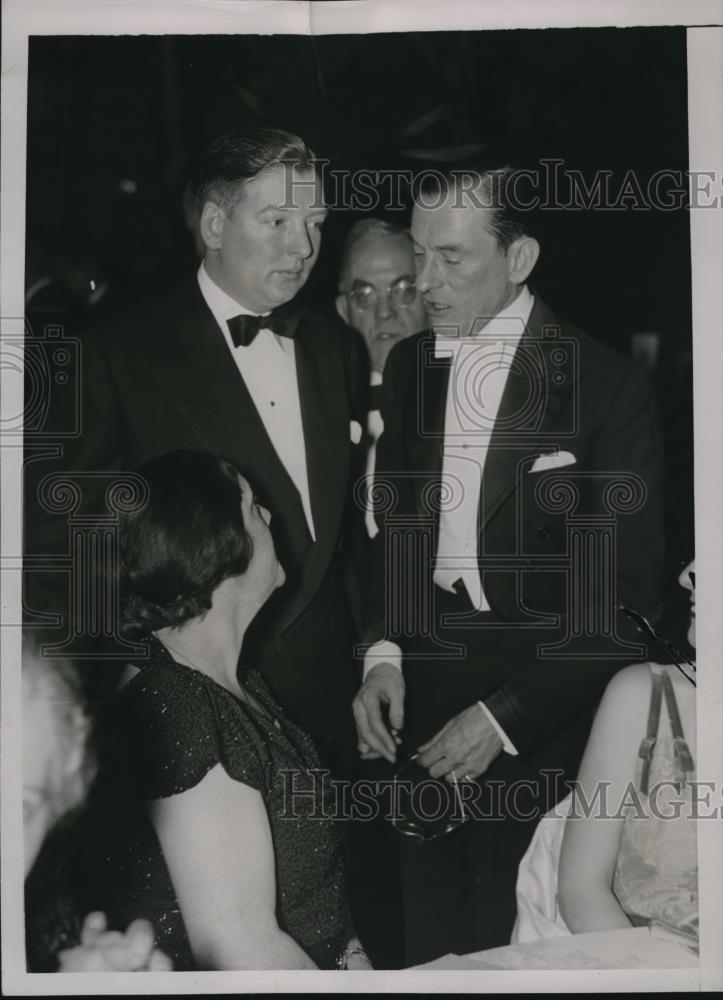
[
  {"x": 355, "y": 431},
  {"x": 555, "y": 460}
]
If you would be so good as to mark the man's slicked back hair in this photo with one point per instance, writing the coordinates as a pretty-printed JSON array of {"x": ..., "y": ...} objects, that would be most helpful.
[
  {"x": 239, "y": 155},
  {"x": 493, "y": 188}
]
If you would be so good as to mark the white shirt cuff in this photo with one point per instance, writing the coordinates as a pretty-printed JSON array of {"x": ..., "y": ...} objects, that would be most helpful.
[
  {"x": 507, "y": 745},
  {"x": 382, "y": 652}
]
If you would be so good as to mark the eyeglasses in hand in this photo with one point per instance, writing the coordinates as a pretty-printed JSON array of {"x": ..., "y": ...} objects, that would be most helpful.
[{"x": 419, "y": 810}]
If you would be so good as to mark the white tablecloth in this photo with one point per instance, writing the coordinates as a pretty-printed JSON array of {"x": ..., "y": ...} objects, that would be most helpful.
[{"x": 636, "y": 948}]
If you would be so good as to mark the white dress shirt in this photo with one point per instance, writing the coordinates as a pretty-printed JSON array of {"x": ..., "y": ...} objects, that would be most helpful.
[
  {"x": 477, "y": 380},
  {"x": 478, "y": 376},
  {"x": 268, "y": 367}
]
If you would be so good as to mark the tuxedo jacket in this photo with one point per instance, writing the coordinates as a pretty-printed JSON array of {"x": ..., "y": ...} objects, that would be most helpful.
[
  {"x": 574, "y": 458},
  {"x": 161, "y": 377}
]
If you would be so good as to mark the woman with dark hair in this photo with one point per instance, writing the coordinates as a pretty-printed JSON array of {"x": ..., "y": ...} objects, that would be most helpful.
[{"x": 231, "y": 869}]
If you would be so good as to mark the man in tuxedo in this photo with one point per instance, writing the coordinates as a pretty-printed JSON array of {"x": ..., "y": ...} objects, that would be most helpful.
[
  {"x": 521, "y": 466},
  {"x": 225, "y": 363},
  {"x": 378, "y": 298}
]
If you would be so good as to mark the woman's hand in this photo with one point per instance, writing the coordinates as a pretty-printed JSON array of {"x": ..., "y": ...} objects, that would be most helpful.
[{"x": 101, "y": 950}]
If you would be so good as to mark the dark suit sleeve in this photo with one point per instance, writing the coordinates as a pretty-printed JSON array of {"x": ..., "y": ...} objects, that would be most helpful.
[
  {"x": 630, "y": 440},
  {"x": 543, "y": 696}
]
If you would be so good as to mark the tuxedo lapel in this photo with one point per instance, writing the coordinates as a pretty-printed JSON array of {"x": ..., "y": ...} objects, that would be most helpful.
[
  {"x": 197, "y": 372},
  {"x": 325, "y": 423},
  {"x": 511, "y": 437},
  {"x": 541, "y": 376},
  {"x": 426, "y": 418},
  {"x": 326, "y": 436}
]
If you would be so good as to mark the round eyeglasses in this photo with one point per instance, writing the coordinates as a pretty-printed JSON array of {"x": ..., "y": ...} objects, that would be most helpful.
[{"x": 401, "y": 293}]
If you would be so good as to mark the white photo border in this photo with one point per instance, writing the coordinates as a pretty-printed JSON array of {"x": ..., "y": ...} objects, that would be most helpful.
[{"x": 24, "y": 18}]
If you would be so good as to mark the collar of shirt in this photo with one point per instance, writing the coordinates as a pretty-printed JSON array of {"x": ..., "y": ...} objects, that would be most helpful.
[
  {"x": 507, "y": 326},
  {"x": 223, "y": 307}
]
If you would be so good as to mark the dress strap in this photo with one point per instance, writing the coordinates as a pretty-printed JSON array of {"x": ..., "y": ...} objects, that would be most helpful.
[
  {"x": 682, "y": 752},
  {"x": 648, "y": 743}
]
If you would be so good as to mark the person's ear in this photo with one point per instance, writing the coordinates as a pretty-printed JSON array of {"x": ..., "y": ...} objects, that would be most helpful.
[
  {"x": 342, "y": 307},
  {"x": 522, "y": 256},
  {"x": 211, "y": 225}
]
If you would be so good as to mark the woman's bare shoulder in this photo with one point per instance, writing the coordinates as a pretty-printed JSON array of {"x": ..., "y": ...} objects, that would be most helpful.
[
  {"x": 618, "y": 726},
  {"x": 628, "y": 693},
  {"x": 632, "y": 681}
]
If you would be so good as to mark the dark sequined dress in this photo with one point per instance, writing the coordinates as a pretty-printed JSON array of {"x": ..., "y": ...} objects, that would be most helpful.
[{"x": 166, "y": 729}]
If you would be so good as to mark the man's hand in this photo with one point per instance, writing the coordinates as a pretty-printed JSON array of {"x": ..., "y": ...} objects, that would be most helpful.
[
  {"x": 384, "y": 685},
  {"x": 463, "y": 749},
  {"x": 101, "y": 950}
]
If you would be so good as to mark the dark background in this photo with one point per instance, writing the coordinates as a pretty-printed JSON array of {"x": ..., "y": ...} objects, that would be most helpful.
[{"x": 115, "y": 124}]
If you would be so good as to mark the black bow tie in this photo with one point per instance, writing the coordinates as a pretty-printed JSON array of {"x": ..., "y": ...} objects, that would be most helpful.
[{"x": 243, "y": 329}]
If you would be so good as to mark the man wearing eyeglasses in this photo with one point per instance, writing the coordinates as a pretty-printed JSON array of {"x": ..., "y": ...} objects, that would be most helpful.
[
  {"x": 378, "y": 298},
  {"x": 377, "y": 294},
  {"x": 522, "y": 468}
]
